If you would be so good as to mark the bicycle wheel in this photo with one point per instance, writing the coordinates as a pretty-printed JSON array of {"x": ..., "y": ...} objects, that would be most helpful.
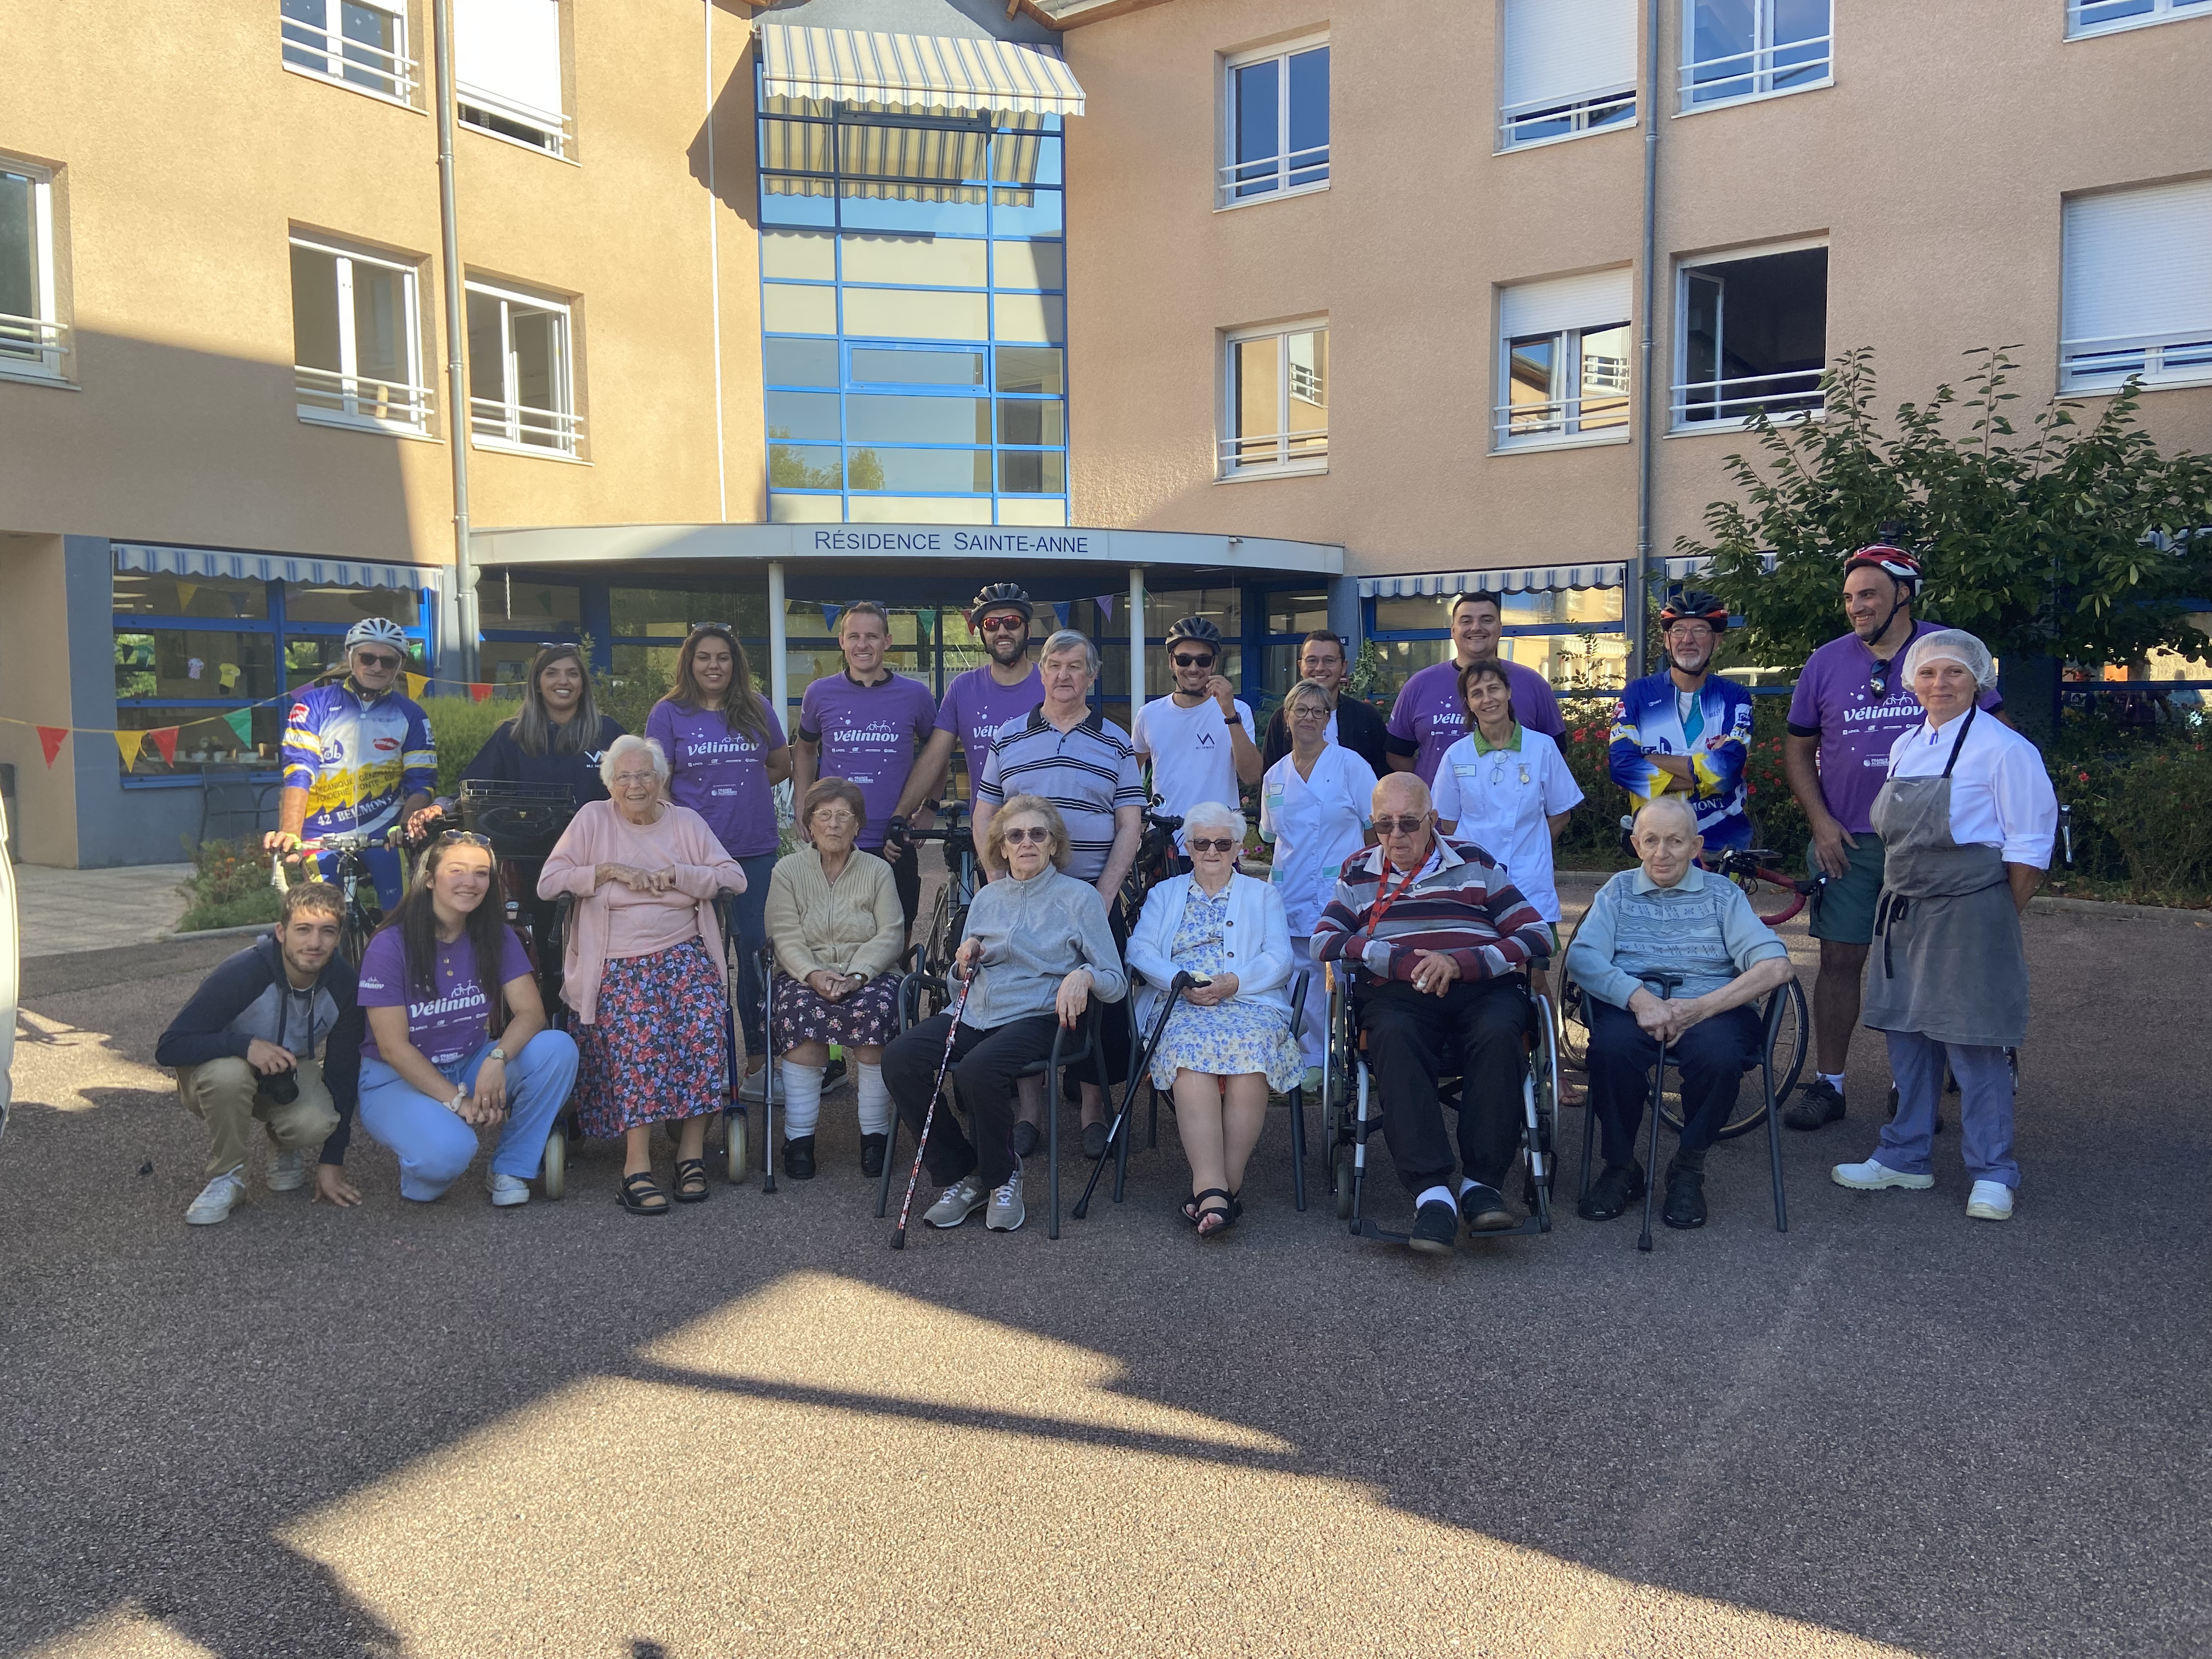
[
  {"x": 1773, "y": 901},
  {"x": 354, "y": 934},
  {"x": 1793, "y": 1033},
  {"x": 938, "y": 941}
]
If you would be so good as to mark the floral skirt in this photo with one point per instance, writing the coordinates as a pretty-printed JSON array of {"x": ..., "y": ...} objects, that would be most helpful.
[
  {"x": 1227, "y": 1040},
  {"x": 867, "y": 1019},
  {"x": 655, "y": 1048}
]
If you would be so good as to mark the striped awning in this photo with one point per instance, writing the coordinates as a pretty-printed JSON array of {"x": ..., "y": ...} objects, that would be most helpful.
[
  {"x": 1547, "y": 579},
  {"x": 916, "y": 71},
  {"x": 273, "y": 568}
]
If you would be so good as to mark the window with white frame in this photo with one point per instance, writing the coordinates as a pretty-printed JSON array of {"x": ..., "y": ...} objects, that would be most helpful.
[
  {"x": 1750, "y": 337},
  {"x": 2137, "y": 283},
  {"x": 1274, "y": 108},
  {"x": 521, "y": 381},
  {"x": 1275, "y": 400},
  {"x": 34, "y": 342},
  {"x": 1563, "y": 361},
  {"x": 359, "y": 43},
  {"x": 2106, "y": 17},
  {"x": 356, "y": 340},
  {"x": 507, "y": 70},
  {"x": 1738, "y": 49},
  {"x": 1570, "y": 67}
]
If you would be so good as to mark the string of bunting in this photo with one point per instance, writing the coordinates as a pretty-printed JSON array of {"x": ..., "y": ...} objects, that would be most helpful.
[{"x": 1062, "y": 608}]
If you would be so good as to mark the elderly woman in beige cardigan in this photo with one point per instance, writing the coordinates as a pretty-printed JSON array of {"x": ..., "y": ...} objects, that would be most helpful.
[{"x": 835, "y": 920}]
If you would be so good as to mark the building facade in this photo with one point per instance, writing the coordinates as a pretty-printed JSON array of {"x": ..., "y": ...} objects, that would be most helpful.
[{"x": 1291, "y": 317}]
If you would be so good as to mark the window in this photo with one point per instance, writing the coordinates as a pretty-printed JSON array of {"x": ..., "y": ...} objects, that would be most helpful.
[
  {"x": 2108, "y": 16},
  {"x": 521, "y": 391},
  {"x": 1276, "y": 413},
  {"x": 34, "y": 340},
  {"x": 360, "y": 43},
  {"x": 356, "y": 340},
  {"x": 1564, "y": 360},
  {"x": 1738, "y": 49},
  {"x": 1569, "y": 68},
  {"x": 507, "y": 70},
  {"x": 1750, "y": 334},
  {"x": 2137, "y": 286},
  {"x": 1274, "y": 107}
]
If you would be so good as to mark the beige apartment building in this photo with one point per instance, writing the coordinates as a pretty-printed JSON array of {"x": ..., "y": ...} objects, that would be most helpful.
[{"x": 1288, "y": 315}]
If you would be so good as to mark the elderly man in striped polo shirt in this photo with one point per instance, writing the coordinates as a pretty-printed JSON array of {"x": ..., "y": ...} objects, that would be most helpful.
[{"x": 1442, "y": 937}]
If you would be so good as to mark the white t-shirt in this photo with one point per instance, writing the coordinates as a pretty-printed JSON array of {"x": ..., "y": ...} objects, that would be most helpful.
[
  {"x": 1190, "y": 753},
  {"x": 1501, "y": 801}
]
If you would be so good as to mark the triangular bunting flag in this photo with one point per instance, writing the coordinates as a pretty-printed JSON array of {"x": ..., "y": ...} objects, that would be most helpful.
[
  {"x": 829, "y": 618},
  {"x": 50, "y": 739},
  {"x": 185, "y": 592},
  {"x": 1059, "y": 610},
  {"x": 1106, "y": 606},
  {"x": 240, "y": 722},
  {"x": 165, "y": 739},
  {"x": 478, "y": 690},
  {"x": 418, "y": 684},
  {"x": 129, "y": 743},
  {"x": 928, "y": 617}
]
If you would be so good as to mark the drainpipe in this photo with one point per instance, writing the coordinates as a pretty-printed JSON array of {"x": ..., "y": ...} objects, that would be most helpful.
[
  {"x": 778, "y": 671},
  {"x": 457, "y": 385},
  {"x": 715, "y": 282},
  {"x": 1632, "y": 599},
  {"x": 1136, "y": 641}
]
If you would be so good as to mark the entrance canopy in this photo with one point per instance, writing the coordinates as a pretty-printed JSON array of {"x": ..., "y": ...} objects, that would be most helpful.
[{"x": 917, "y": 72}]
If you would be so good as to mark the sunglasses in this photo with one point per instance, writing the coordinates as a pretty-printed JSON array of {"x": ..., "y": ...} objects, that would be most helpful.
[
  {"x": 1036, "y": 833},
  {"x": 1004, "y": 625},
  {"x": 1411, "y": 824},
  {"x": 1181, "y": 661},
  {"x": 377, "y": 659},
  {"x": 1878, "y": 678},
  {"x": 462, "y": 838},
  {"x": 1197, "y": 845}
]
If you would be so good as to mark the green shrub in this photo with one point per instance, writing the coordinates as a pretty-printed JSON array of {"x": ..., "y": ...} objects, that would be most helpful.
[
  {"x": 228, "y": 887},
  {"x": 462, "y": 726},
  {"x": 2142, "y": 811}
]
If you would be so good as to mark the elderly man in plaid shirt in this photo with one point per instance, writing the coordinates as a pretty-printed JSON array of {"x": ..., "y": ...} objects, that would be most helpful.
[{"x": 1441, "y": 938}]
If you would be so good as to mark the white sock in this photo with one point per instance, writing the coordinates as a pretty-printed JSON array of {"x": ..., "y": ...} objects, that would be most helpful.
[
  {"x": 802, "y": 1098},
  {"x": 1833, "y": 1080},
  {"x": 1468, "y": 1184},
  {"x": 1435, "y": 1195},
  {"x": 875, "y": 1100}
]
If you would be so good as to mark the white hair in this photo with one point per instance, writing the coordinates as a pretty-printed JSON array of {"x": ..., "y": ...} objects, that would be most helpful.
[
  {"x": 1951, "y": 645},
  {"x": 626, "y": 745},
  {"x": 1067, "y": 638},
  {"x": 1212, "y": 815},
  {"x": 1670, "y": 804}
]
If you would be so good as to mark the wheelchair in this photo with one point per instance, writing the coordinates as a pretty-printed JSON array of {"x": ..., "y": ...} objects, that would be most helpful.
[{"x": 1351, "y": 1116}]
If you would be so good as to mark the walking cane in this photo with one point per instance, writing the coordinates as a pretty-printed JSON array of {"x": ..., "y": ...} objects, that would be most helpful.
[
  {"x": 929, "y": 1116},
  {"x": 1667, "y": 983},
  {"x": 1183, "y": 982}
]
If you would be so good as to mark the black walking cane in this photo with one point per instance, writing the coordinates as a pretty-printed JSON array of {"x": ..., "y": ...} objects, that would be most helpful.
[
  {"x": 1181, "y": 982},
  {"x": 1667, "y": 984}
]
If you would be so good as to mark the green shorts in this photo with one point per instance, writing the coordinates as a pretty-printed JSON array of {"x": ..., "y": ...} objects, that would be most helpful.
[{"x": 1842, "y": 908}]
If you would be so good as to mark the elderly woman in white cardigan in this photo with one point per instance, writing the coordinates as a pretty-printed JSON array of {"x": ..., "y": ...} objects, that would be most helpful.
[{"x": 1228, "y": 1040}]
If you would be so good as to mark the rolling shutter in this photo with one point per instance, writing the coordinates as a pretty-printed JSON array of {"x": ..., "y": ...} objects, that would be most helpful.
[
  {"x": 506, "y": 57},
  {"x": 2138, "y": 267},
  {"x": 1591, "y": 300},
  {"x": 1561, "y": 51}
]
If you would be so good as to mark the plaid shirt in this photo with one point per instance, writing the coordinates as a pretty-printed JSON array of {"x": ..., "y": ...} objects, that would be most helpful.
[{"x": 1460, "y": 904}]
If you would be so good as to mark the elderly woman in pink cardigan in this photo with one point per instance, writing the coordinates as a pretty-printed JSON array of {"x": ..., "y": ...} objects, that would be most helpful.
[{"x": 643, "y": 969}]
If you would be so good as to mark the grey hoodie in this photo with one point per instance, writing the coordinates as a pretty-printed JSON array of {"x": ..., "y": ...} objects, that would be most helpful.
[{"x": 1035, "y": 933}]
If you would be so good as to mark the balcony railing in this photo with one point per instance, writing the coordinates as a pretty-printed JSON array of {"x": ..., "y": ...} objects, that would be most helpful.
[
  {"x": 1276, "y": 451},
  {"x": 1562, "y": 417},
  {"x": 31, "y": 345},
  {"x": 1785, "y": 67},
  {"x": 1696, "y": 402},
  {"x": 520, "y": 426},
  {"x": 2156, "y": 357},
  {"x": 2098, "y": 16},
  {"x": 487, "y": 111},
  {"x": 338, "y": 56},
  {"x": 325, "y": 395},
  {"x": 1533, "y": 122},
  {"x": 1271, "y": 175}
]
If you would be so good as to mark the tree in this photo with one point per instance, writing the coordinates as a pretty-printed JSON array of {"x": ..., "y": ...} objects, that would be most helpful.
[{"x": 2068, "y": 541}]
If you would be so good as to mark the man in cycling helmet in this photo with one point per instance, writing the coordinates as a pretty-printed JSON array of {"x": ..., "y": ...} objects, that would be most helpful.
[
  {"x": 1851, "y": 705},
  {"x": 1686, "y": 732},
  {"x": 359, "y": 758},
  {"x": 978, "y": 703},
  {"x": 1200, "y": 740}
]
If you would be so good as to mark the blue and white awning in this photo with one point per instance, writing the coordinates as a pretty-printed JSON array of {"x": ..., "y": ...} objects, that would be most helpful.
[
  {"x": 916, "y": 71},
  {"x": 274, "y": 567},
  {"x": 1544, "y": 579}
]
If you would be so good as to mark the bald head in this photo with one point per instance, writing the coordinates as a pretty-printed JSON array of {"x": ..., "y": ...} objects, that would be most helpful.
[
  {"x": 1664, "y": 807},
  {"x": 1401, "y": 791},
  {"x": 1667, "y": 839},
  {"x": 1405, "y": 820}
]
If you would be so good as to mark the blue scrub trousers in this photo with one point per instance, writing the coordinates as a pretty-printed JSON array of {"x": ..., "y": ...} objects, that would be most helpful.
[{"x": 435, "y": 1146}]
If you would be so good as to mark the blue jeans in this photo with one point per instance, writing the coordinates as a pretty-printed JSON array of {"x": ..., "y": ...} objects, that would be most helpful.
[
  {"x": 435, "y": 1146},
  {"x": 751, "y": 908},
  {"x": 383, "y": 869}
]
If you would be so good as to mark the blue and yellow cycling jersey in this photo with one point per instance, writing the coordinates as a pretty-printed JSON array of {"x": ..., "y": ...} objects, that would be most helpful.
[
  {"x": 1651, "y": 721},
  {"x": 358, "y": 760}
]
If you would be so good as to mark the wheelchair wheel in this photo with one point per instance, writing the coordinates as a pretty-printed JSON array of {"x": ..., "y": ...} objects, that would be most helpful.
[
  {"x": 1793, "y": 1033},
  {"x": 1340, "y": 1180},
  {"x": 1544, "y": 1061},
  {"x": 735, "y": 1149},
  {"x": 1573, "y": 1028},
  {"x": 554, "y": 1179}
]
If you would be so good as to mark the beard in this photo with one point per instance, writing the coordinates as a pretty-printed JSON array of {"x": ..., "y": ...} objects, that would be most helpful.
[{"x": 1006, "y": 649}]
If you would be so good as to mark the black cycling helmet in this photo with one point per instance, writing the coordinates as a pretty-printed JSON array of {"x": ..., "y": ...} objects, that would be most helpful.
[
  {"x": 1195, "y": 628},
  {"x": 1695, "y": 606},
  {"x": 1000, "y": 595}
]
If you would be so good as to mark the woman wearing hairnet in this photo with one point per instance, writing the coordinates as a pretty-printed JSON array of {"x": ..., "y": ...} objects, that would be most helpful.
[{"x": 1965, "y": 819}]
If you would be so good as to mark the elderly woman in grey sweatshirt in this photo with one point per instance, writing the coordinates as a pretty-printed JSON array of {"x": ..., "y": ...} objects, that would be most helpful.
[{"x": 1036, "y": 951}]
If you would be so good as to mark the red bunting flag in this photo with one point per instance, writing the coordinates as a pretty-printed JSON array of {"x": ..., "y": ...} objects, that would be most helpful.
[
  {"x": 165, "y": 739},
  {"x": 478, "y": 690},
  {"x": 50, "y": 739}
]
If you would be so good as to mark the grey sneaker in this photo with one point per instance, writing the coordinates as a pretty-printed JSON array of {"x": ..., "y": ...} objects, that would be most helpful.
[
  {"x": 755, "y": 1087},
  {"x": 1006, "y": 1212},
  {"x": 507, "y": 1189},
  {"x": 288, "y": 1173},
  {"x": 217, "y": 1199},
  {"x": 957, "y": 1202}
]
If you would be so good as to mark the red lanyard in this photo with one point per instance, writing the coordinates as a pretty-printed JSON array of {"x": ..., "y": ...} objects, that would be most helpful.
[{"x": 1384, "y": 901}]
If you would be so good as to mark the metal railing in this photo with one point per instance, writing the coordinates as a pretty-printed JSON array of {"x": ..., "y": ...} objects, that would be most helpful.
[
  {"x": 1275, "y": 449},
  {"x": 1306, "y": 383},
  {"x": 1267, "y": 175},
  {"x": 324, "y": 394},
  {"x": 474, "y": 108},
  {"x": 1709, "y": 81},
  {"x": 33, "y": 345},
  {"x": 1562, "y": 417},
  {"x": 336, "y": 56},
  {"x": 1696, "y": 402},
  {"x": 524, "y": 427},
  {"x": 1605, "y": 107},
  {"x": 2154, "y": 358},
  {"x": 2090, "y": 16}
]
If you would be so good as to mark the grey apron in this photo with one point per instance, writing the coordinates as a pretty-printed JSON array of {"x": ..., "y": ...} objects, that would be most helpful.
[{"x": 1947, "y": 962}]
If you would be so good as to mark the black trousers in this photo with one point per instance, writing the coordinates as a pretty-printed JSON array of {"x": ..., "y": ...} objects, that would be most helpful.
[
  {"x": 906, "y": 876},
  {"x": 1412, "y": 1039},
  {"x": 1110, "y": 1064},
  {"x": 1714, "y": 1055},
  {"x": 985, "y": 1064}
]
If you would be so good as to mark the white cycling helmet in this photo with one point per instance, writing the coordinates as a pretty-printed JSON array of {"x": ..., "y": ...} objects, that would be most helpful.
[{"x": 377, "y": 631}]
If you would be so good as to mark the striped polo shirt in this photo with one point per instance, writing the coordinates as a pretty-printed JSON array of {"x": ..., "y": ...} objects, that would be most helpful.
[
  {"x": 1086, "y": 772},
  {"x": 1460, "y": 903}
]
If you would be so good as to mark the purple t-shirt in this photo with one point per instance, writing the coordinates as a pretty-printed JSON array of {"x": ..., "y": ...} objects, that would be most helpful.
[
  {"x": 867, "y": 734},
  {"x": 446, "y": 1029},
  {"x": 1835, "y": 699},
  {"x": 721, "y": 774},
  {"x": 1429, "y": 711},
  {"x": 975, "y": 706}
]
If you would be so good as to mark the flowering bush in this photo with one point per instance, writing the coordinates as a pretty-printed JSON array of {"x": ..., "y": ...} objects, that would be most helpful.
[
  {"x": 228, "y": 887},
  {"x": 2140, "y": 804}
]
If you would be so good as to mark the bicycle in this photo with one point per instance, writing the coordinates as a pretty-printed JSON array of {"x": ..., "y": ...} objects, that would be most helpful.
[
  {"x": 363, "y": 912},
  {"x": 948, "y": 917},
  {"x": 1155, "y": 860},
  {"x": 1751, "y": 869}
]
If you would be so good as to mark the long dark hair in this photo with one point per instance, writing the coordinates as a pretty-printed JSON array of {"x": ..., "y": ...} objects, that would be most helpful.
[
  {"x": 484, "y": 927},
  {"x": 742, "y": 710},
  {"x": 534, "y": 730}
]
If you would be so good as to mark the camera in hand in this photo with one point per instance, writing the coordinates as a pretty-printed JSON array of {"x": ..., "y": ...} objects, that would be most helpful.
[{"x": 282, "y": 1087}]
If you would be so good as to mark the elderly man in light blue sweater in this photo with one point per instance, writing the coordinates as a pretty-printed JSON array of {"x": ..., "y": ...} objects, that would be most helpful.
[{"x": 1669, "y": 916}]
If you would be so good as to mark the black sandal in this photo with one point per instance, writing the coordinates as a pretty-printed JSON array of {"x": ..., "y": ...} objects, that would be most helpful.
[
  {"x": 637, "y": 1193},
  {"x": 690, "y": 1180},
  {"x": 1195, "y": 1212}
]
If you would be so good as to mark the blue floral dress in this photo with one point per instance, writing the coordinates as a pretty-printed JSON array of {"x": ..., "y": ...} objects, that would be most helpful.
[{"x": 1230, "y": 1038}]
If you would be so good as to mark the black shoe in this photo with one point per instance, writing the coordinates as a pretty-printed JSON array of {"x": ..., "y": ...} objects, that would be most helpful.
[
  {"x": 1094, "y": 1140},
  {"x": 872, "y": 1153},
  {"x": 1483, "y": 1209},
  {"x": 798, "y": 1158},
  {"x": 1685, "y": 1191},
  {"x": 1618, "y": 1186},
  {"x": 1436, "y": 1228},
  {"x": 1025, "y": 1138},
  {"x": 1819, "y": 1104},
  {"x": 834, "y": 1073}
]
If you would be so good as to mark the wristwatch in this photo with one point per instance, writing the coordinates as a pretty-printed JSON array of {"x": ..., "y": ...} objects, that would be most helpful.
[
  {"x": 1230, "y": 719},
  {"x": 497, "y": 1054}
]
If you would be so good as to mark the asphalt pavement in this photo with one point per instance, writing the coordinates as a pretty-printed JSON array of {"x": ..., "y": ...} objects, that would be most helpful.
[{"x": 751, "y": 1428}]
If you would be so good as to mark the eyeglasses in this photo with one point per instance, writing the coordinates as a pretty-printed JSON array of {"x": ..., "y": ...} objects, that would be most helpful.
[
  {"x": 1412, "y": 824},
  {"x": 376, "y": 660},
  {"x": 835, "y": 816},
  {"x": 1310, "y": 711},
  {"x": 1036, "y": 833},
  {"x": 1224, "y": 845},
  {"x": 1003, "y": 625},
  {"x": 1181, "y": 661},
  {"x": 637, "y": 777}
]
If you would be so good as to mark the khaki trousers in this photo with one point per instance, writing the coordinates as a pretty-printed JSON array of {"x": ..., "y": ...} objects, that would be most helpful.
[{"x": 227, "y": 1094}]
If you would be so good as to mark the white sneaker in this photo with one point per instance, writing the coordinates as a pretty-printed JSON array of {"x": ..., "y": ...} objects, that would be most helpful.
[
  {"x": 217, "y": 1199},
  {"x": 507, "y": 1189},
  {"x": 1991, "y": 1200},
  {"x": 288, "y": 1173},
  {"x": 1006, "y": 1212},
  {"x": 957, "y": 1202},
  {"x": 755, "y": 1087},
  {"x": 1872, "y": 1176}
]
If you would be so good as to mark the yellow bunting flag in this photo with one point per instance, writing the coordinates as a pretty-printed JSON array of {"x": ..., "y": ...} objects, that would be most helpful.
[
  {"x": 185, "y": 592},
  {"x": 128, "y": 742},
  {"x": 418, "y": 684}
]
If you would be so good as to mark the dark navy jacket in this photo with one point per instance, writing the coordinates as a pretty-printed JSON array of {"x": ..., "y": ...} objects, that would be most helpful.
[{"x": 503, "y": 760}]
